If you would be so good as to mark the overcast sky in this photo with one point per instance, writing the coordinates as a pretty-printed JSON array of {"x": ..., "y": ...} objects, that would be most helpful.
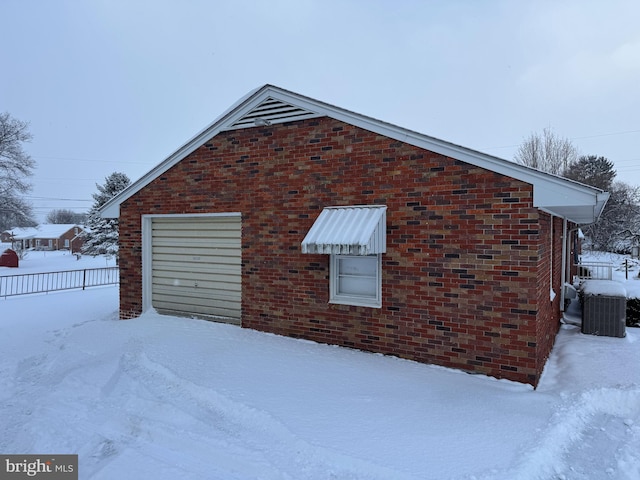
[{"x": 118, "y": 85}]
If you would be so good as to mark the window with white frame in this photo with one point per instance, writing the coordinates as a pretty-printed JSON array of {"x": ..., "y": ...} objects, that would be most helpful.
[{"x": 356, "y": 280}]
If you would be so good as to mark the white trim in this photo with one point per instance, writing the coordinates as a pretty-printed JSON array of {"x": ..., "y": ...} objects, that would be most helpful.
[
  {"x": 191, "y": 215},
  {"x": 146, "y": 221},
  {"x": 146, "y": 261},
  {"x": 551, "y": 238},
  {"x": 565, "y": 264},
  {"x": 336, "y": 297},
  {"x": 564, "y": 198}
]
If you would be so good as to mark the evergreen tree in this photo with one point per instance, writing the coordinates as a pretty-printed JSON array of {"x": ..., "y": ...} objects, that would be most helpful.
[
  {"x": 102, "y": 234},
  {"x": 592, "y": 170}
]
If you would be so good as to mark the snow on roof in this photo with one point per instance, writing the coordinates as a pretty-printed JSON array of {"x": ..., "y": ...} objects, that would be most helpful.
[
  {"x": 46, "y": 230},
  {"x": 607, "y": 288},
  {"x": 22, "y": 232},
  {"x": 52, "y": 230}
]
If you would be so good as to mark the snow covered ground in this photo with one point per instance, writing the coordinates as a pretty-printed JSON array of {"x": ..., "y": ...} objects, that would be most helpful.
[
  {"x": 162, "y": 397},
  {"x": 54, "y": 261}
]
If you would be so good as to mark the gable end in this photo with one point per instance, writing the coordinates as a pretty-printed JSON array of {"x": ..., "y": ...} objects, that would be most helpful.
[{"x": 269, "y": 112}]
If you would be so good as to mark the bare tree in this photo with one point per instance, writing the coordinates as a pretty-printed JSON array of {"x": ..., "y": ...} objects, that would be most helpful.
[
  {"x": 65, "y": 216},
  {"x": 15, "y": 168},
  {"x": 618, "y": 228},
  {"x": 547, "y": 152}
]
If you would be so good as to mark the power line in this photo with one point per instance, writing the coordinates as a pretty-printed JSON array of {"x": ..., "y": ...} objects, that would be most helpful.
[
  {"x": 123, "y": 162},
  {"x": 58, "y": 199},
  {"x": 606, "y": 134},
  {"x": 573, "y": 138}
]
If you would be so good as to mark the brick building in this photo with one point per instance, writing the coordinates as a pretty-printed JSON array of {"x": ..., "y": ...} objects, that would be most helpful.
[
  {"x": 292, "y": 216},
  {"x": 47, "y": 236}
]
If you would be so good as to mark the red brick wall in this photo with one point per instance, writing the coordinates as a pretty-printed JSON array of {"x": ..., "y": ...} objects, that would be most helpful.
[
  {"x": 464, "y": 245},
  {"x": 70, "y": 235},
  {"x": 549, "y": 313}
]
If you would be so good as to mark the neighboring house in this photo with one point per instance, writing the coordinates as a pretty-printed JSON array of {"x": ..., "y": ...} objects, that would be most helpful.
[
  {"x": 5, "y": 237},
  {"x": 46, "y": 237},
  {"x": 20, "y": 237},
  {"x": 292, "y": 216}
]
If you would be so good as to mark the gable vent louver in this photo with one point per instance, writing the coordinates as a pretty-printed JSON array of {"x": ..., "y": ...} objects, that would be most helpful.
[{"x": 272, "y": 111}]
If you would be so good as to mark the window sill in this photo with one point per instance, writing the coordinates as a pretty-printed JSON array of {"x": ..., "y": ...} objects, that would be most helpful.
[{"x": 356, "y": 302}]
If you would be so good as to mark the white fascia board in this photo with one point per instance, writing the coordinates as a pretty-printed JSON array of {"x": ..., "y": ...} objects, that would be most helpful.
[
  {"x": 581, "y": 214},
  {"x": 550, "y": 193},
  {"x": 549, "y": 190},
  {"x": 578, "y": 203}
]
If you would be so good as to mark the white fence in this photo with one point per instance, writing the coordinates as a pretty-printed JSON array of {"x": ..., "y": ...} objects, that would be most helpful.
[{"x": 595, "y": 271}]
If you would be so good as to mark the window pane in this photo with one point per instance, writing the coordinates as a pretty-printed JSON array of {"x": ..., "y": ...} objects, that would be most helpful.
[
  {"x": 358, "y": 286},
  {"x": 361, "y": 266},
  {"x": 355, "y": 280}
]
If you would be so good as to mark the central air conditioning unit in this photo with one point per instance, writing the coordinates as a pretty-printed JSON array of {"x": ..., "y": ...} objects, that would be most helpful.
[{"x": 604, "y": 308}]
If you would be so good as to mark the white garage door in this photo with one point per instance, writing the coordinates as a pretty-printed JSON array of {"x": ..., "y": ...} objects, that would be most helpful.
[{"x": 196, "y": 266}]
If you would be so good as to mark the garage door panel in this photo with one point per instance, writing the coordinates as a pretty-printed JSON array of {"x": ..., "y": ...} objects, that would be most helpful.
[
  {"x": 196, "y": 265},
  {"x": 185, "y": 228},
  {"x": 219, "y": 284},
  {"x": 166, "y": 244},
  {"x": 228, "y": 275},
  {"x": 188, "y": 296},
  {"x": 175, "y": 250},
  {"x": 188, "y": 261},
  {"x": 203, "y": 238},
  {"x": 196, "y": 310},
  {"x": 196, "y": 272},
  {"x": 225, "y": 264},
  {"x": 201, "y": 234},
  {"x": 185, "y": 299},
  {"x": 197, "y": 242},
  {"x": 194, "y": 254}
]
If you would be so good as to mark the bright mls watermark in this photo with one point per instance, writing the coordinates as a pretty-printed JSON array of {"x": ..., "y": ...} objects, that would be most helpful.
[{"x": 50, "y": 467}]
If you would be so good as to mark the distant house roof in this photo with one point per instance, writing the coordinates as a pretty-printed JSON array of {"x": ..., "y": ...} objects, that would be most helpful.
[
  {"x": 269, "y": 105},
  {"x": 55, "y": 230},
  {"x": 46, "y": 230},
  {"x": 21, "y": 233}
]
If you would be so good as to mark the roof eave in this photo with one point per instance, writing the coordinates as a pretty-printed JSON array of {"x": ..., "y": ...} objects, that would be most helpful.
[
  {"x": 582, "y": 209},
  {"x": 549, "y": 190}
]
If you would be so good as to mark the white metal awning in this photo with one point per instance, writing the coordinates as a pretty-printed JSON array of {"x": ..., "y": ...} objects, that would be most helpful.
[{"x": 352, "y": 230}]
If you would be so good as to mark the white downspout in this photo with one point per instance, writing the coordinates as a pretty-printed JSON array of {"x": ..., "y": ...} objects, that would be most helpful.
[
  {"x": 563, "y": 277},
  {"x": 552, "y": 294}
]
